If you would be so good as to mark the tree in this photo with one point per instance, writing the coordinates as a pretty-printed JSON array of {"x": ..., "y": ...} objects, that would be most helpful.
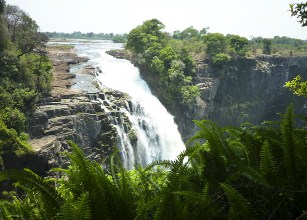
[
  {"x": 238, "y": 43},
  {"x": 189, "y": 33},
  {"x": 140, "y": 38},
  {"x": 216, "y": 43},
  {"x": 3, "y": 29},
  {"x": 220, "y": 59},
  {"x": 203, "y": 31},
  {"x": 2, "y": 5},
  {"x": 266, "y": 46},
  {"x": 299, "y": 10},
  {"x": 24, "y": 31}
]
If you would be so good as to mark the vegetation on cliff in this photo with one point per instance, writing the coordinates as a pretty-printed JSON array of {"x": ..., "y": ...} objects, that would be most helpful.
[
  {"x": 173, "y": 64},
  {"x": 24, "y": 74},
  {"x": 171, "y": 58}
]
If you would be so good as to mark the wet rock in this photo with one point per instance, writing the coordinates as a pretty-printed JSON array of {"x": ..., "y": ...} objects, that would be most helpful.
[{"x": 81, "y": 119}]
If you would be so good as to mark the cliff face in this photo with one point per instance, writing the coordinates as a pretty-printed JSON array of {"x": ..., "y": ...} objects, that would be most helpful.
[
  {"x": 244, "y": 90},
  {"x": 88, "y": 120},
  {"x": 76, "y": 110},
  {"x": 252, "y": 89}
]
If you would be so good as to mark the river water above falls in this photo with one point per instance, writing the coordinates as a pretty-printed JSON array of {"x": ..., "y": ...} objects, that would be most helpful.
[{"x": 157, "y": 134}]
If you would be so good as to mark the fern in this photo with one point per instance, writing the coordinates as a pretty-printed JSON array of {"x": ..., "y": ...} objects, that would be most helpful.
[
  {"x": 239, "y": 206},
  {"x": 255, "y": 176},
  {"x": 34, "y": 183},
  {"x": 77, "y": 210},
  {"x": 267, "y": 164},
  {"x": 287, "y": 131}
]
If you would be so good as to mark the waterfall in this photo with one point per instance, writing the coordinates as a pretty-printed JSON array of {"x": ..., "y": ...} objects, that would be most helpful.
[{"x": 157, "y": 134}]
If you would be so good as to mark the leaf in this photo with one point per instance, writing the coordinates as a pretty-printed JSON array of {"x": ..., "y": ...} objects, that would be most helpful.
[{"x": 239, "y": 206}]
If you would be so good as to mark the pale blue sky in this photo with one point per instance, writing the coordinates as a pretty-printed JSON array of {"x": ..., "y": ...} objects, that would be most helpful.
[{"x": 267, "y": 18}]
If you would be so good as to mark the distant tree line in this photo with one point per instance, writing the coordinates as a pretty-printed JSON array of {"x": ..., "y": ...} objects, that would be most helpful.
[{"x": 117, "y": 38}]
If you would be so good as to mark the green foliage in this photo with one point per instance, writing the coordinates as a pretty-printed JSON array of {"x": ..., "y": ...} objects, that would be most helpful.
[
  {"x": 141, "y": 37},
  {"x": 25, "y": 76},
  {"x": 23, "y": 31},
  {"x": 167, "y": 55},
  {"x": 2, "y": 5},
  {"x": 298, "y": 86},
  {"x": 239, "y": 207},
  {"x": 216, "y": 43},
  {"x": 189, "y": 94},
  {"x": 13, "y": 118},
  {"x": 10, "y": 142},
  {"x": 299, "y": 10},
  {"x": 267, "y": 46},
  {"x": 238, "y": 44},
  {"x": 247, "y": 172},
  {"x": 221, "y": 59},
  {"x": 167, "y": 59},
  {"x": 267, "y": 164}
]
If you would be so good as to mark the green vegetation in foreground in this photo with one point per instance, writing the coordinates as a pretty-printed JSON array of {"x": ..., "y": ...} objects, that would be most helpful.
[
  {"x": 116, "y": 38},
  {"x": 24, "y": 76},
  {"x": 249, "y": 172}
]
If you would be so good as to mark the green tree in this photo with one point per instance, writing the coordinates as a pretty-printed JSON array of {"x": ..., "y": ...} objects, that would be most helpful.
[
  {"x": 189, "y": 32},
  {"x": 141, "y": 37},
  {"x": 24, "y": 31},
  {"x": 266, "y": 46},
  {"x": 221, "y": 59},
  {"x": 238, "y": 44},
  {"x": 216, "y": 43},
  {"x": 298, "y": 86}
]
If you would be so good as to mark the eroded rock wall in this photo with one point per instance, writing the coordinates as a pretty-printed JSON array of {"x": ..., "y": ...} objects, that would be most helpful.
[
  {"x": 246, "y": 89},
  {"x": 88, "y": 120}
]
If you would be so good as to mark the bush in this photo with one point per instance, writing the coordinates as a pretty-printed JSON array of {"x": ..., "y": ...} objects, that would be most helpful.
[
  {"x": 13, "y": 118},
  {"x": 219, "y": 60}
]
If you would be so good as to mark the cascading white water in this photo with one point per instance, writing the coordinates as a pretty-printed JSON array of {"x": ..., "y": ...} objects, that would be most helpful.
[{"x": 157, "y": 134}]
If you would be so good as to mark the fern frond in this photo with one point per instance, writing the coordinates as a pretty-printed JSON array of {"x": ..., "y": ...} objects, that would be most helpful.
[
  {"x": 239, "y": 206},
  {"x": 288, "y": 138},
  {"x": 254, "y": 176},
  {"x": 82, "y": 209},
  {"x": 34, "y": 183},
  {"x": 267, "y": 164}
]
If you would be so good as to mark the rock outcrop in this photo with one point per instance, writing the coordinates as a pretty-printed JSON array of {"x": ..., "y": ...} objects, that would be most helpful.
[
  {"x": 246, "y": 89},
  {"x": 86, "y": 116},
  {"x": 88, "y": 120}
]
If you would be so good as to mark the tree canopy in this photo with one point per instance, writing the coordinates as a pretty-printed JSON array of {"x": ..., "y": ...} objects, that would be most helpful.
[{"x": 25, "y": 76}]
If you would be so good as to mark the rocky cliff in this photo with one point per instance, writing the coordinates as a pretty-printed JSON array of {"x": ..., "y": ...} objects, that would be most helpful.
[
  {"x": 246, "y": 89},
  {"x": 85, "y": 114}
]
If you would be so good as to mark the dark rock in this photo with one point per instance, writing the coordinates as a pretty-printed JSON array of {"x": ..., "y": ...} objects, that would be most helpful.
[{"x": 80, "y": 119}]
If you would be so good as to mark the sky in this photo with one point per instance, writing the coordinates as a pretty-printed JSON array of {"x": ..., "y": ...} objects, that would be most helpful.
[{"x": 249, "y": 18}]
